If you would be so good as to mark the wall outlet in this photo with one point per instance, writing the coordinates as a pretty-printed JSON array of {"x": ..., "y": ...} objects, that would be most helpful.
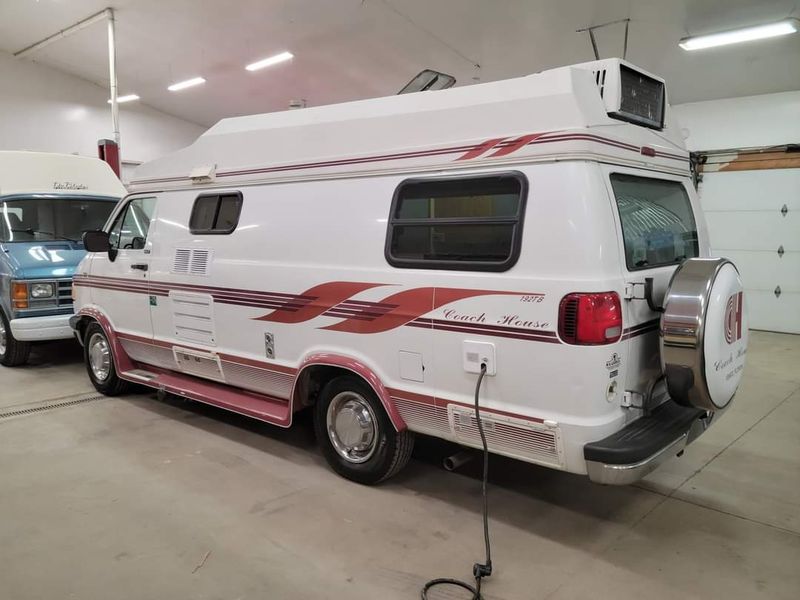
[{"x": 477, "y": 353}]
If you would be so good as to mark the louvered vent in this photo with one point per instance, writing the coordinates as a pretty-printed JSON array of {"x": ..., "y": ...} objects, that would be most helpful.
[
  {"x": 600, "y": 79},
  {"x": 191, "y": 261},
  {"x": 199, "y": 262},
  {"x": 510, "y": 436}
]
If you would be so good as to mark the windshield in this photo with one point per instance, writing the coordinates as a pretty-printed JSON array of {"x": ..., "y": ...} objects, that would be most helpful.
[
  {"x": 658, "y": 226},
  {"x": 43, "y": 219}
]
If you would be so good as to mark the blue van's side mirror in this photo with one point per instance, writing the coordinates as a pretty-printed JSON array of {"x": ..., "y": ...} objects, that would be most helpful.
[{"x": 96, "y": 241}]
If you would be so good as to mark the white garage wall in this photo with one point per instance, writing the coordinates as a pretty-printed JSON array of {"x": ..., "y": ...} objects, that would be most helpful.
[
  {"x": 46, "y": 110},
  {"x": 766, "y": 120},
  {"x": 743, "y": 208}
]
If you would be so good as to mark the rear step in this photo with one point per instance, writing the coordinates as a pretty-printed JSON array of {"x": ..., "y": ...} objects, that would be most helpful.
[
  {"x": 259, "y": 406},
  {"x": 635, "y": 450}
]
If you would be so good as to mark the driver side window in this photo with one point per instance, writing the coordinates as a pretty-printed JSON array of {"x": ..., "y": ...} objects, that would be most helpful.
[{"x": 130, "y": 228}]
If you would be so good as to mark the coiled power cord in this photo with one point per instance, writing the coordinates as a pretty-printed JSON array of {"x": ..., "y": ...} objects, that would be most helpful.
[{"x": 479, "y": 570}]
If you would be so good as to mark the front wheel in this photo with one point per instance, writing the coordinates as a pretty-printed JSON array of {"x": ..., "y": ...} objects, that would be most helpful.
[
  {"x": 12, "y": 351},
  {"x": 99, "y": 359},
  {"x": 357, "y": 438}
]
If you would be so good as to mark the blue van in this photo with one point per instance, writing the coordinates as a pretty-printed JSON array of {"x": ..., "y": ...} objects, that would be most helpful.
[{"x": 47, "y": 201}]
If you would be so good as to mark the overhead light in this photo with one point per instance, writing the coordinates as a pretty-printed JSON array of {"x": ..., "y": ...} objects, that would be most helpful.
[
  {"x": 182, "y": 85},
  {"x": 735, "y": 36},
  {"x": 128, "y": 98},
  {"x": 268, "y": 62}
]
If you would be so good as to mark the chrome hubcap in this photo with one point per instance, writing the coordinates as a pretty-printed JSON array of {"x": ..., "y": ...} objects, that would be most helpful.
[
  {"x": 3, "y": 336},
  {"x": 352, "y": 427},
  {"x": 99, "y": 357}
]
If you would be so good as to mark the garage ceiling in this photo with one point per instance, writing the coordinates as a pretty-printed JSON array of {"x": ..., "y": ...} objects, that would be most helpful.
[{"x": 350, "y": 49}]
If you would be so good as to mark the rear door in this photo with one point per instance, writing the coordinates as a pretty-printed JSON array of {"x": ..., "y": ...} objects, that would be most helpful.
[
  {"x": 659, "y": 225},
  {"x": 120, "y": 279}
]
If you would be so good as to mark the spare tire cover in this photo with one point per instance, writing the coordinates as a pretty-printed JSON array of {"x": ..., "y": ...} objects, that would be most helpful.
[{"x": 704, "y": 333}]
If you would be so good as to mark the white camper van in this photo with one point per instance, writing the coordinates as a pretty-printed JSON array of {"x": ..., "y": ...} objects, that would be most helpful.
[{"x": 373, "y": 259}]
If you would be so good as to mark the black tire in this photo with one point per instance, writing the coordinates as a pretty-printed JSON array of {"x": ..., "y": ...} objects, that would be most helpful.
[
  {"x": 391, "y": 450},
  {"x": 15, "y": 352},
  {"x": 111, "y": 384}
]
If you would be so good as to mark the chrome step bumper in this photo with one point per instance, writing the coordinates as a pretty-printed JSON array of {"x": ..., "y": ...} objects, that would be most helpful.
[{"x": 637, "y": 449}]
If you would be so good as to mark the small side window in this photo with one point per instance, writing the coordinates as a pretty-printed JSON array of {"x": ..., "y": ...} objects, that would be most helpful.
[
  {"x": 463, "y": 224},
  {"x": 216, "y": 213}
]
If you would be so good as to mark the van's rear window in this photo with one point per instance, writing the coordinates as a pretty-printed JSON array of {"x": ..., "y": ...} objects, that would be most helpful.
[
  {"x": 658, "y": 226},
  {"x": 470, "y": 223}
]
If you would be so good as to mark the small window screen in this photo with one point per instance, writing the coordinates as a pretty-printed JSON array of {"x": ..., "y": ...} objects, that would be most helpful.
[
  {"x": 217, "y": 213},
  {"x": 658, "y": 226},
  {"x": 471, "y": 223}
]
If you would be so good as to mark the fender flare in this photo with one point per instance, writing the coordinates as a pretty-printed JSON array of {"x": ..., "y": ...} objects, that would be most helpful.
[{"x": 357, "y": 367}]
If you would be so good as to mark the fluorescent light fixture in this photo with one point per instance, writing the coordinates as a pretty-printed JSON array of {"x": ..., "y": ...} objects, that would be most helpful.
[
  {"x": 128, "y": 98},
  {"x": 268, "y": 62},
  {"x": 182, "y": 85},
  {"x": 735, "y": 36}
]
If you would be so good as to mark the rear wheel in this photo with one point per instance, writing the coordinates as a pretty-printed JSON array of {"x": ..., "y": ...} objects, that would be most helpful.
[
  {"x": 99, "y": 359},
  {"x": 12, "y": 352},
  {"x": 357, "y": 438}
]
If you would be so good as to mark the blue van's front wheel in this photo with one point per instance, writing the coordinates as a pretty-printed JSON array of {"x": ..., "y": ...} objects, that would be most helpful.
[{"x": 12, "y": 352}]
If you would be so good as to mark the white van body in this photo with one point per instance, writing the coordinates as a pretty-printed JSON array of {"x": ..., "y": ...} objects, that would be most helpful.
[{"x": 257, "y": 320}]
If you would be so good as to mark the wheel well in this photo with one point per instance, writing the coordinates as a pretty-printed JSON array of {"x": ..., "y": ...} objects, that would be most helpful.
[
  {"x": 312, "y": 380},
  {"x": 82, "y": 324}
]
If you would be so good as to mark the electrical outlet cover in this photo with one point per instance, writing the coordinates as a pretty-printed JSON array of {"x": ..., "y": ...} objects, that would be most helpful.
[{"x": 475, "y": 353}]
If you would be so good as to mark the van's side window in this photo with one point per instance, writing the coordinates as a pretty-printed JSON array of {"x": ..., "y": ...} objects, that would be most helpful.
[
  {"x": 468, "y": 223},
  {"x": 216, "y": 213},
  {"x": 658, "y": 226},
  {"x": 130, "y": 228}
]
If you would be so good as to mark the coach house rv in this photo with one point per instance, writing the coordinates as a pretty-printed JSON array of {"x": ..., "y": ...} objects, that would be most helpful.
[
  {"x": 372, "y": 260},
  {"x": 47, "y": 202}
]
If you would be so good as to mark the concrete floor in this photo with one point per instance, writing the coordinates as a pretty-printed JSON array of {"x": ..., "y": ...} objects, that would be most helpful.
[{"x": 135, "y": 498}]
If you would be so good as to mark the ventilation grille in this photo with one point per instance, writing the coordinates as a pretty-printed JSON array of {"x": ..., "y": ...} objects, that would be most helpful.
[
  {"x": 422, "y": 417},
  {"x": 600, "y": 80},
  {"x": 506, "y": 435},
  {"x": 191, "y": 261}
]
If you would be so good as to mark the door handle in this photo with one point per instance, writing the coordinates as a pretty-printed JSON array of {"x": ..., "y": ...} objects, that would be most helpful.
[{"x": 139, "y": 267}]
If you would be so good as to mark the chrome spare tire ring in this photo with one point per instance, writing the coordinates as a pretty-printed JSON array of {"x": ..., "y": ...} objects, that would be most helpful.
[
  {"x": 352, "y": 427},
  {"x": 704, "y": 333},
  {"x": 99, "y": 356}
]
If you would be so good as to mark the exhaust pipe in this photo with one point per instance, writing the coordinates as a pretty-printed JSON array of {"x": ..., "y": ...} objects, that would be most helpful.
[{"x": 459, "y": 459}]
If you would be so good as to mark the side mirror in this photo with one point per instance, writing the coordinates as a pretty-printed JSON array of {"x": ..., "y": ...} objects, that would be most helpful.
[{"x": 96, "y": 241}]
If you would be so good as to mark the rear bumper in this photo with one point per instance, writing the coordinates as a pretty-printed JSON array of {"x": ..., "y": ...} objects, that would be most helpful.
[
  {"x": 38, "y": 329},
  {"x": 637, "y": 449}
]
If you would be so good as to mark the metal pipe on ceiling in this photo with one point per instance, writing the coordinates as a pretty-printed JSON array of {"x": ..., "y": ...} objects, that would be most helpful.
[
  {"x": 95, "y": 18},
  {"x": 107, "y": 14},
  {"x": 112, "y": 73}
]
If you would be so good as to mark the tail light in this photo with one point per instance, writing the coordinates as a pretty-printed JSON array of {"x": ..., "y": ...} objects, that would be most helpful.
[{"x": 590, "y": 319}]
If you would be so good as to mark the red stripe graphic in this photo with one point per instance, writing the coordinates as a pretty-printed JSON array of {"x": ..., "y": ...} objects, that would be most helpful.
[
  {"x": 469, "y": 151},
  {"x": 516, "y": 144},
  {"x": 478, "y": 150},
  {"x": 324, "y": 297},
  {"x": 410, "y": 304}
]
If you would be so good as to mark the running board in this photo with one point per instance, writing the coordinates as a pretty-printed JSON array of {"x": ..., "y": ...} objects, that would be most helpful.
[{"x": 259, "y": 406}]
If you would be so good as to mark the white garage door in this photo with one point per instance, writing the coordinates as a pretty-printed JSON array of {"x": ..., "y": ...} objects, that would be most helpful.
[{"x": 747, "y": 224}]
